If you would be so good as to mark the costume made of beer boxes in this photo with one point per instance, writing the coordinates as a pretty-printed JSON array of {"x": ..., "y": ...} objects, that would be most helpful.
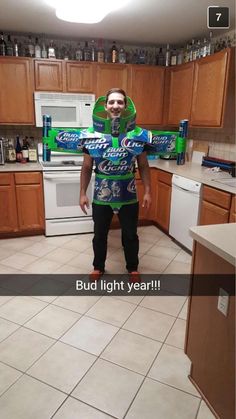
[{"x": 114, "y": 145}]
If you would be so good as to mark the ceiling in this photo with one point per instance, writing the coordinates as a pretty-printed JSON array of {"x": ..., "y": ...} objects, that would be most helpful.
[{"x": 141, "y": 21}]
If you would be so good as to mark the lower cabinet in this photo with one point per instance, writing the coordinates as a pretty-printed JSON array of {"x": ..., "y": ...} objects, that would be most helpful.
[
  {"x": 21, "y": 203},
  {"x": 215, "y": 207},
  {"x": 162, "y": 195},
  {"x": 232, "y": 215}
]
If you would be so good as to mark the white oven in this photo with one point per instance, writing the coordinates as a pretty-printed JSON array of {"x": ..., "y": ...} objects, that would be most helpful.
[{"x": 61, "y": 182}]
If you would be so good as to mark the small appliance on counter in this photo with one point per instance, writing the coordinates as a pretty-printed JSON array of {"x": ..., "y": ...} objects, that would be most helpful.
[{"x": 225, "y": 165}]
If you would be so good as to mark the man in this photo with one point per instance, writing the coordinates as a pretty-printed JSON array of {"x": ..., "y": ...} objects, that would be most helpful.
[{"x": 114, "y": 145}]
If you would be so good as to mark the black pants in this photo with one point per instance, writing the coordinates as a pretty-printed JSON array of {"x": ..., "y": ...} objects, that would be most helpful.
[{"x": 128, "y": 217}]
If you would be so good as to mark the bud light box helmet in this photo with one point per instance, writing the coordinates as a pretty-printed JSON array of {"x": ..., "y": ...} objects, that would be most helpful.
[{"x": 101, "y": 123}]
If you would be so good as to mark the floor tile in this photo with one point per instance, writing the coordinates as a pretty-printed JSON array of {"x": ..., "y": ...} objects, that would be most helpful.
[
  {"x": 152, "y": 235},
  {"x": 151, "y": 264},
  {"x": 79, "y": 303},
  {"x": 74, "y": 409},
  {"x": 178, "y": 268},
  {"x": 23, "y": 348},
  {"x": 19, "y": 260},
  {"x": 176, "y": 336},
  {"x": 168, "y": 242},
  {"x": 15, "y": 244},
  {"x": 30, "y": 399},
  {"x": 57, "y": 240},
  {"x": 77, "y": 244},
  {"x": 159, "y": 401},
  {"x": 21, "y": 309},
  {"x": 108, "y": 387},
  {"x": 9, "y": 270},
  {"x": 62, "y": 255},
  {"x": 90, "y": 335},
  {"x": 184, "y": 312},
  {"x": 163, "y": 252},
  {"x": 132, "y": 351},
  {"x": 42, "y": 266},
  {"x": 114, "y": 267},
  {"x": 7, "y": 328},
  {"x": 149, "y": 323},
  {"x": 62, "y": 366},
  {"x": 53, "y": 321},
  {"x": 172, "y": 367},
  {"x": 82, "y": 261},
  {"x": 111, "y": 310},
  {"x": 18, "y": 284},
  {"x": 204, "y": 412},
  {"x": 37, "y": 249},
  {"x": 134, "y": 299},
  {"x": 5, "y": 253},
  {"x": 183, "y": 256},
  {"x": 5, "y": 296},
  {"x": 8, "y": 376},
  {"x": 68, "y": 269},
  {"x": 168, "y": 304}
]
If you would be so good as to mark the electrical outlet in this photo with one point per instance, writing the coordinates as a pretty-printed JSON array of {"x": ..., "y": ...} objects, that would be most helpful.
[{"x": 223, "y": 302}]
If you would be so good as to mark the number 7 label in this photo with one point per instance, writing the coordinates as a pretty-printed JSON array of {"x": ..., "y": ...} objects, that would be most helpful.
[{"x": 217, "y": 17}]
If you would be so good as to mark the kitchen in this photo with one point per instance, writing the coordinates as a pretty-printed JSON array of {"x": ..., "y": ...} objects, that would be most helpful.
[{"x": 97, "y": 335}]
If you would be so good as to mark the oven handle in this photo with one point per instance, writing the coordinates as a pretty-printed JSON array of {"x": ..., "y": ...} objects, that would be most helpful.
[{"x": 65, "y": 176}]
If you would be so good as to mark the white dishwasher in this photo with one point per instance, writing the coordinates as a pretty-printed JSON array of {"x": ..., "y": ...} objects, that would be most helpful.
[{"x": 185, "y": 199}]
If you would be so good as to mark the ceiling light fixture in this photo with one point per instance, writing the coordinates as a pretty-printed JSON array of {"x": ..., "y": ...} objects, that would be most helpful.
[{"x": 90, "y": 11}]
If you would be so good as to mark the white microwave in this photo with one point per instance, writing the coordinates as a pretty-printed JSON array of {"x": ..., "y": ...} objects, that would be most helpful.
[{"x": 68, "y": 110}]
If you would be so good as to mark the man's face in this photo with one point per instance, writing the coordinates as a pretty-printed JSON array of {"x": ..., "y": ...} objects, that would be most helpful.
[{"x": 115, "y": 105}]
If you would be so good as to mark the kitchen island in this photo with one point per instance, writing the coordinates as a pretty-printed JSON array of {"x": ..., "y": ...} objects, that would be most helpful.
[{"x": 210, "y": 333}]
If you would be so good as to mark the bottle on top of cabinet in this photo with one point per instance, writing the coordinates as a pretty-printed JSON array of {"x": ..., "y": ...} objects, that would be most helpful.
[
  {"x": 122, "y": 55},
  {"x": 18, "y": 150},
  {"x": 114, "y": 53},
  {"x": 33, "y": 156},
  {"x": 25, "y": 150},
  {"x": 11, "y": 152},
  {"x": 51, "y": 50},
  {"x": 37, "y": 49},
  {"x": 167, "y": 61},
  {"x": 100, "y": 52},
  {"x": 87, "y": 52},
  {"x": 93, "y": 51},
  {"x": 3, "y": 47},
  {"x": 10, "y": 46},
  {"x": 16, "y": 48},
  {"x": 79, "y": 53},
  {"x": 30, "y": 48},
  {"x": 161, "y": 58}
]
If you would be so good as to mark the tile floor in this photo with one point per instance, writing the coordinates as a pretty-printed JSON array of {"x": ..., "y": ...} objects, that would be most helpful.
[{"x": 94, "y": 357}]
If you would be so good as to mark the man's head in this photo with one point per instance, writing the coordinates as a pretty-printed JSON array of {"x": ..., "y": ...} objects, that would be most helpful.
[{"x": 116, "y": 102}]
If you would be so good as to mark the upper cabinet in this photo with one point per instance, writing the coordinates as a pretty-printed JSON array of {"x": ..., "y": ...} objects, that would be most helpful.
[
  {"x": 49, "y": 75},
  {"x": 147, "y": 92},
  {"x": 210, "y": 89},
  {"x": 80, "y": 77},
  {"x": 111, "y": 75},
  {"x": 179, "y": 81},
  {"x": 16, "y": 91}
]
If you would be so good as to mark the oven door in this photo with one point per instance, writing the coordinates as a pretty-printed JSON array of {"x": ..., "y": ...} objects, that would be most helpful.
[{"x": 61, "y": 194}]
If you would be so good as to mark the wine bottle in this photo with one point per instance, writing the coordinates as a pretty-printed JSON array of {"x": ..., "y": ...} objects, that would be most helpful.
[{"x": 18, "y": 149}]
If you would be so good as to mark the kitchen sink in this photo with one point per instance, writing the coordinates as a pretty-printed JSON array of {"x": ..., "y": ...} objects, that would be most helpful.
[{"x": 228, "y": 181}]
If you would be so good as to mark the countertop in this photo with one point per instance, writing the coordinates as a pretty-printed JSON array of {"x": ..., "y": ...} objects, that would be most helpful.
[
  {"x": 21, "y": 167},
  {"x": 196, "y": 172},
  {"x": 219, "y": 238},
  {"x": 189, "y": 170}
]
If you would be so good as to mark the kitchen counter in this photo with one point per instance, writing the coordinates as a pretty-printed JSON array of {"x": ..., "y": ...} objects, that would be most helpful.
[
  {"x": 21, "y": 167},
  {"x": 219, "y": 238},
  {"x": 196, "y": 172}
]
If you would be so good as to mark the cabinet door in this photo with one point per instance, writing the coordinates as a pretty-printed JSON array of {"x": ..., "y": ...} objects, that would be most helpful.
[
  {"x": 49, "y": 75},
  {"x": 147, "y": 92},
  {"x": 180, "y": 93},
  {"x": 111, "y": 75},
  {"x": 29, "y": 198},
  {"x": 154, "y": 191},
  {"x": 8, "y": 213},
  {"x": 16, "y": 91},
  {"x": 209, "y": 89},
  {"x": 80, "y": 77},
  {"x": 212, "y": 214},
  {"x": 163, "y": 205},
  {"x": 232, "y": 217}
]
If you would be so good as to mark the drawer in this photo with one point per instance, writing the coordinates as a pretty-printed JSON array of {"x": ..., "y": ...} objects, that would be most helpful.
[
  {"x": 164, "y": 177},
  {"x": 217, "y": 197},
  {"x": 26, "y": 178},
  {"x": 6, "y": 179}
]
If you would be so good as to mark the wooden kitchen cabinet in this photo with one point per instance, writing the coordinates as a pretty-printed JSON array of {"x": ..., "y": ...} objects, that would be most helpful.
[
  {"x": 21, "y": 203},
  {"x": 80, "y": 77},
  {"x": 8, "y": 212},
  {"x": 232, "y": 215},
  {"x": 16, "y": 91},
  {"x": 210, "y": 335},
  {"x": 163, "y": 199},
  {"x": 178, "y": 92},
  {"x": 111, "y": 75},
  {"x": 213, "y": 91},
  {"x": 215, "y": 206},
  {"x": 147, "y": 92},
  {"x": 49, "y": 75}
]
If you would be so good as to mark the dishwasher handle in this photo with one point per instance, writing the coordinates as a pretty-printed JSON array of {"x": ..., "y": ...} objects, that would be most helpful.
[{"x": 191, "y": 191}]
